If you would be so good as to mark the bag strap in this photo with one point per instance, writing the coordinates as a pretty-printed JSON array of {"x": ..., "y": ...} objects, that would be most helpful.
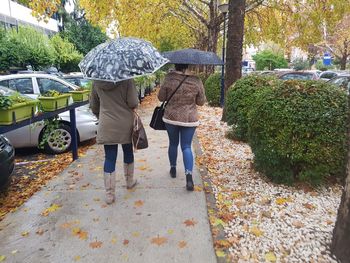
[{"x": 166, "y": 103}]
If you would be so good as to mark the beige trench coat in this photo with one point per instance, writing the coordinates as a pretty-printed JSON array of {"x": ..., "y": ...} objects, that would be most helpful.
[{"x": 113, "y": 104}]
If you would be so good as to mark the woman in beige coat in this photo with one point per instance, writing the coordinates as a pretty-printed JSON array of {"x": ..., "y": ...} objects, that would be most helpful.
[
  {"x": 113, "y": 104},
  {"x": 181, "y": 117}
]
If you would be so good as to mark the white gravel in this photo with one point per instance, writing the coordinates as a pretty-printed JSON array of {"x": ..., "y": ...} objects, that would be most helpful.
[{"x": 272, "y": 223}]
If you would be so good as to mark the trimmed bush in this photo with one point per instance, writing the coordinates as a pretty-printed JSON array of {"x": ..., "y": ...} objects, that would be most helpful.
[
  {"x": 240, "y": 98},
  {"x": 212, "y": 89},
  {"x": 297, "y": 131}
]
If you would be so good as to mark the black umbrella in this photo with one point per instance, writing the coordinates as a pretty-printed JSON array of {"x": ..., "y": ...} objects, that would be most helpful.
[{"x": 192, "y": 57}]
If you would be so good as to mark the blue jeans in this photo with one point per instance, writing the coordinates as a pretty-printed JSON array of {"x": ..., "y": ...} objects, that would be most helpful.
[
  {"x": 186, "y": 134},
  {"x": 111, "y": 152}
]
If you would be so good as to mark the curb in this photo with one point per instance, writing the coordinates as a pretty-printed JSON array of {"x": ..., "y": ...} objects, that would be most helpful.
[{"x": 218, "y": 233}]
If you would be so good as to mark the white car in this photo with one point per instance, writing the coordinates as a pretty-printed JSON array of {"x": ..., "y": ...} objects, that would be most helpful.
[{"x": 30, "y": 136}]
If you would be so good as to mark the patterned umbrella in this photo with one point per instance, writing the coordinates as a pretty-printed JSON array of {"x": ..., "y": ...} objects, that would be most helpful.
[
  {"x": 121, "y": 59},
  {"x": 192, "y": 57}
]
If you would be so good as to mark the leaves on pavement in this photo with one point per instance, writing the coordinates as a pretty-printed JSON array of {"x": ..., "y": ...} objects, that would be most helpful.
[
  {"x": 51, "y": 209},
  {"x": 182, "y": 244},
  {"x": 159, "y": 240},
  {"x": 95, "y": 244},
  {"x": 190, "y": 222}
]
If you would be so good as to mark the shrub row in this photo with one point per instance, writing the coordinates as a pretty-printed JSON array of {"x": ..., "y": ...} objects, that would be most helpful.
[{"x": 297, "y": 130}]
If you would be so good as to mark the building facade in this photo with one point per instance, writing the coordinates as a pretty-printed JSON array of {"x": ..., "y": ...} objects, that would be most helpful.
[{"x": 13, "y": 15}]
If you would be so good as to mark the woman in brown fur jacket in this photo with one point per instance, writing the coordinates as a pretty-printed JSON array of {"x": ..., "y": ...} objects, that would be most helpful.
[{"x": 181, "y": 117}]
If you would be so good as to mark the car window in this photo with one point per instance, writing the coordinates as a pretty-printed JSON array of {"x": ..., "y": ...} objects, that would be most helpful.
[
  {"x": 339, "y": 81},
  {"x": 72, "y": 80},
  {"x": 297, "y": 76},
  {"x": 50, "y": 84},
  {"x": 4, "y": 83},
  {"x": 85, "y": 82},
  {"x": 328, "y": 75},
  {"x": 24, "y": 86}
]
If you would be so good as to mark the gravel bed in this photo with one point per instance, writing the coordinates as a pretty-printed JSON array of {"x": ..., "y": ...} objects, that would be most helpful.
[{"x": 264, "y": 222}]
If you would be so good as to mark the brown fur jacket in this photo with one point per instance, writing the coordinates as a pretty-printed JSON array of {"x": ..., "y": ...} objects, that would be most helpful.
[{"x": 182, "y": 109}]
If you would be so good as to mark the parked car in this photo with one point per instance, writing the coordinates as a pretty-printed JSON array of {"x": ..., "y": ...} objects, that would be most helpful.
[
  {"x": 342, "y": 81},
  {"x": 327, "y": 75},
  {"x": 7, "y": 159},
  {"x": 300, "y": 75},
  {"x": 78, "y": 80},
  {"x": 30, "y": 136}
]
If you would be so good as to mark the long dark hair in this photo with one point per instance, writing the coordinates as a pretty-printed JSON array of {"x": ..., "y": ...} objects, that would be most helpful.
[{"x": 181, "y": 67}]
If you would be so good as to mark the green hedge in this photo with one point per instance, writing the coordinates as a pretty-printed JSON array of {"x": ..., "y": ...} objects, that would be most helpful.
[
  {"x": 297, "y": 131},
  {"x": 240, "y": 98},
  {"x": 212, "y": 89}
]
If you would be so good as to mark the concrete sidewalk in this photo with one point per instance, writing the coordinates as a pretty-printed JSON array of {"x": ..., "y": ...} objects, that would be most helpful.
[{"x": 68, "y": 221}]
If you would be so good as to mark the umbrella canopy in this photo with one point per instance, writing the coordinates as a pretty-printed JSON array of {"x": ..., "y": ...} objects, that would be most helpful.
[
  {"x": 121, "y": 59},
  {"x": 192, "y": 57}
]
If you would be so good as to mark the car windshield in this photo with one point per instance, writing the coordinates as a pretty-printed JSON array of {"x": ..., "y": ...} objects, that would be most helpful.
[{"x": 297, "y": 76}]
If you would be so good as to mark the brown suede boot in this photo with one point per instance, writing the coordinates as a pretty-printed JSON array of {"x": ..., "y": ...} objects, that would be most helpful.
[
  {"x": 109, "y": 179},
  {"x": 129, "y": 175}
]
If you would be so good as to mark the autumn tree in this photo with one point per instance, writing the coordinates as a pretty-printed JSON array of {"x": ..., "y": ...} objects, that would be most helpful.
[
  {"x": 341, "y": 232},
  {"x": 339, "y": 42}
]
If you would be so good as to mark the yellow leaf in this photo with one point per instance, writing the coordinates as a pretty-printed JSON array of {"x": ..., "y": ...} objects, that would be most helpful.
[
  {"x": 218, "y": 222},
  {"x": 14, "y": 252},
  {"x": 2, "y": 258},
  {"x": 136, "y": 234},
  {"x": 77, "y": 258},
  {"x": 52, "y": 208},
  {"x": 25, "y": 233},
  {"x": 114, "y": 240},
  {"x": 270, "y": 256},
  {"x": 170, "y": 231},
  {"x": 220, "y": 253},
  {"x": 256, "y": 231},
  {"x": 139, "y": 203}
]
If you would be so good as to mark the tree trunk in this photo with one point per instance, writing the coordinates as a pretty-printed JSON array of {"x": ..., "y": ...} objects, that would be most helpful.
[
  {"x": 234, "y": 46},
  {"x": 343, "y": 62},
  {"x": 341, "y": 234}
]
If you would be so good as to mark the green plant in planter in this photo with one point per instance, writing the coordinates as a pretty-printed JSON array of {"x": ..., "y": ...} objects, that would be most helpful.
[
  {"x": 53, "y": 100},
  {"x": 15, "y": 107},
  {"x": 5, "y": 102},
  {"x": 80, "y": 94}
]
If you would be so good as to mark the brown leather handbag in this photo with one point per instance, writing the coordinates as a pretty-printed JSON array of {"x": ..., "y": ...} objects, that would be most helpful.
[{"x": 139, "y": 137}]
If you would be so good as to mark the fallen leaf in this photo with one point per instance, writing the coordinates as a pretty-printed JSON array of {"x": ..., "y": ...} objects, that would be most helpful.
[
  {"x": 159, "y": 240},
  {"x": 170, "y": 231},
  {"x": 114, "y": 240},
  {"x": 2, "y": 258},
  {"x": 182, "y": 244},
  {"x": 198, "y": 188},
  {"x": 270, "y": 256},
  {"x": 222, "y": 244},
  {"x": 95, "y": 244},
  {"x": 40, "y": 232},
  {"x": 256, "y": 231},
  {"x": 218, "y": 222},
  {"x": 25, "y": 233},
  {"x": 52, "y": 208},
  {"x": 135, "y": 234},
  {"x": 309, "y": 206},
  {"x": 298, "y": 224},
  {"x": 282, "y": 201},
  {"x": 80, "y": 233},
  {"x": 14, "y": 252},
  {"x": 139, "y": 203},
  {"x": 126, "y": 242},
  {"x": 77, "y": 258},
  {"x": 190, "y": 222},
  {"x": 220, "y": 253}
]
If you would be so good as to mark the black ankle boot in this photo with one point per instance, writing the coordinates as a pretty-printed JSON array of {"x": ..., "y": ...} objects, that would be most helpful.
[
  {"x": 189, "y": 182},
  {"x": 173, "y": 172}
]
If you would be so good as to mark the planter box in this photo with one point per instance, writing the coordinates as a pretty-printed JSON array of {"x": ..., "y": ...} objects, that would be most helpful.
[
  {"x": 18, "y": 112},
  {"x": 80, "y": 95},
  {"x": 54, "y": 103}
]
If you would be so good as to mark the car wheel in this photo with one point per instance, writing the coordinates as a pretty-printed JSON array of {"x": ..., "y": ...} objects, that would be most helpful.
[{"x": 59, "y": 140}]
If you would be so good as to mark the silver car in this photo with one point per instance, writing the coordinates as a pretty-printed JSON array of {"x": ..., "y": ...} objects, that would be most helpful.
[{"x": 60, "y": 140}]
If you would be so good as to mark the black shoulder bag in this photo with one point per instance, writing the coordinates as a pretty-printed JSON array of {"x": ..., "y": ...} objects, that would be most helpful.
[{"x": 157, "y": 122}]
